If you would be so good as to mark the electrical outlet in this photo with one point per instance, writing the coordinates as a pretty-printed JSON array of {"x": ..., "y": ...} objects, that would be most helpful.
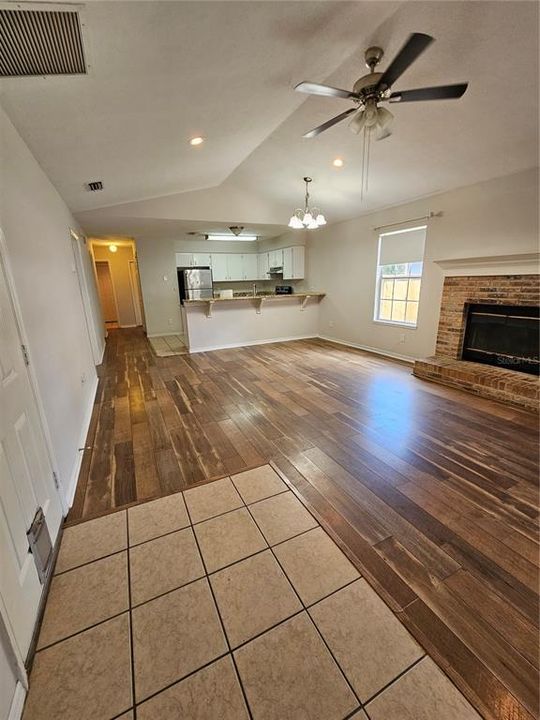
[
  {"x": 83, "y": 378},
  {"x": 165, "y": 278},
  {"x": 170, "y": 321}
]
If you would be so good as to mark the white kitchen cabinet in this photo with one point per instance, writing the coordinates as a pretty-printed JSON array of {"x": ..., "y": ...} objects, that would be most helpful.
[
  {"x": 235, "y": 266},
  {"x": 249, "y": 266},
  {"x": 288, "y": 273},
  {"x": 293, "y": 263},
  {"x": 220, "y": 271},
  {"x": 184, "y": 260},
  {"x": 202, "y": 260},
  {"x": 263, "y": 262},
  {"x": 276, "y": 258}
]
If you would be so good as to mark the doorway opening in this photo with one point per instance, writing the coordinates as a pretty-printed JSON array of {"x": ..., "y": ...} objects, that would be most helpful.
[{"x": 118, "y": 283}]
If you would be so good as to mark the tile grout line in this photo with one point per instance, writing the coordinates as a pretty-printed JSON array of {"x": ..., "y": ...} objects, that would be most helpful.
[
  {"x": 207, "y": 577},
  {"x": 132, "y": 649},
  {"x": 83, "y": 630},
  {"x": 398, "y": 677},
  {"x": 306, "y": 610}
]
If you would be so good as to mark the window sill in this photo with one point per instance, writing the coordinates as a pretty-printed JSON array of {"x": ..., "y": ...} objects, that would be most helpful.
[{"x": 395, "y": 323}]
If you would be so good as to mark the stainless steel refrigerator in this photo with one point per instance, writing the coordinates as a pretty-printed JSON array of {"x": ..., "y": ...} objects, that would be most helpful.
[{"x": 195, "y": 283}]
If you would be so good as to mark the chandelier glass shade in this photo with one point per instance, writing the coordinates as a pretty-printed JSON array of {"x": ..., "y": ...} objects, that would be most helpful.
[{"x": 307, "y": 218}]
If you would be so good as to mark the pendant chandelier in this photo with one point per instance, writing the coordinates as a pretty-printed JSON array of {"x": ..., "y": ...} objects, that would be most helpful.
[{"x": 308, "y": 218}]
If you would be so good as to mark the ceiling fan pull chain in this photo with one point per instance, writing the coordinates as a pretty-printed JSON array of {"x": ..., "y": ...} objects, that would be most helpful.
[{"x": 367, "y": 158}]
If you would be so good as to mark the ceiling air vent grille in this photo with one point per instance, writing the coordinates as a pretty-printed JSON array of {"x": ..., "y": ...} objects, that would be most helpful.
[
  {"x": 95, "y": 185},
  {"x": 40, "y": 42}
]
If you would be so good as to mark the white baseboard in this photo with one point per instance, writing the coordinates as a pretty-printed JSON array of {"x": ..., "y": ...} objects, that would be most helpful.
[
  {"x": 70, "y": 490},
  {"x": 129, "y": 326},
  {"x": 17, "y": 704},
  {"x": 167, "y": 334},
  {"x": 229, "y": 346},
  {"x": 367, "y": 348}
]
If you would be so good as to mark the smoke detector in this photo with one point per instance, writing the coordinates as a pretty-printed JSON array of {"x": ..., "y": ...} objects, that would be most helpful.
[{"x": 236, "y": 229}]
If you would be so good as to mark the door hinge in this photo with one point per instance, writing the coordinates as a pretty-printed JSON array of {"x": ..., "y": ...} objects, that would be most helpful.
[
  {"x": 55, "y": 480},
  {"x": 25, "y": 355}
]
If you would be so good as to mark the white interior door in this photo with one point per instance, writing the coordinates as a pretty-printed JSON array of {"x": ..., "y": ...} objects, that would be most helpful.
[
  {"x": 106, "y": 291},
  {"x": 96, "y": 342},
  {"x": 134, "y": 281},
  {"x": 26, "y": 479}
]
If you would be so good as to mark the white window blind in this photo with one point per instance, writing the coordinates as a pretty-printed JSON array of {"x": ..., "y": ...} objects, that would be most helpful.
[
  {"x": 399, "y": 274},
  {"x": 405, "y": 246}
]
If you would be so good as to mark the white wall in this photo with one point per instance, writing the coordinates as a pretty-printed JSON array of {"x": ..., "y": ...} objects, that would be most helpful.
[
  {"x": 496, "y": 217},
  {"x": 237, "y": 323},
  {"x": 36, "y": 224}
]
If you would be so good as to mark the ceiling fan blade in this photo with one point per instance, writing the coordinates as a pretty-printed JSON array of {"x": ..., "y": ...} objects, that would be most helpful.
[
  {"x": 328, "y": 124},
  {"x": 413, "y": 48},
  {"x": 316, "y": 89},
  {"x": 443, "y": 92}
]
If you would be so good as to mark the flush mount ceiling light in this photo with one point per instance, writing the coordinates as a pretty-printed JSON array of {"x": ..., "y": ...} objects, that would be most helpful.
[
  {"x": 308, "y": 218},
  {"x": 196, "y": 140},
  {"x": 228, "y": 238},
  {"x": 113, "y": 248},
  {"x": 338, "y": 162}
]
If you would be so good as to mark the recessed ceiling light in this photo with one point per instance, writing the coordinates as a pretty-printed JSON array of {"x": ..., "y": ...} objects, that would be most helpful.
[
  {"x": 338, "y": 162},
  {"x": 113, "y": 248},
  {"x": 196, "y": 140}
]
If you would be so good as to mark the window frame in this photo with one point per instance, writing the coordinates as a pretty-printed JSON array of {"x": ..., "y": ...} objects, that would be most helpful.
[{"x": 408, "y": 277}]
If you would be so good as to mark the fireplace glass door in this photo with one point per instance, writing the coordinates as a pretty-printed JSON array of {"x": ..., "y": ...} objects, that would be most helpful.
[{"x": 503, "y": 335}]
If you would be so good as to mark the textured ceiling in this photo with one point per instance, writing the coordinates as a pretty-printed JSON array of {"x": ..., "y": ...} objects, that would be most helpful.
[{"x": 162, "y": 72}]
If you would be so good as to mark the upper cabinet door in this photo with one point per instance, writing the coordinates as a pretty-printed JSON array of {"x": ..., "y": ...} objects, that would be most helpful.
[
  {"x": 235, "y": 266},
  {"x": 276, "y": 258},
  {"x": 219, "y": 267},
  {"x": 202, "y": 260},
  {"x": 250, "y": 266},
  {"x": 184, "y": 260},
  {"x": 288, "y": 268},
  {"x": 298, "y": 262},
  {"x": 263, "y": 266}
]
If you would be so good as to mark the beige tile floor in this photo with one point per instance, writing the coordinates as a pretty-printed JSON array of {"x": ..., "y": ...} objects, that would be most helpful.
[{"x": 225, "y": 602}]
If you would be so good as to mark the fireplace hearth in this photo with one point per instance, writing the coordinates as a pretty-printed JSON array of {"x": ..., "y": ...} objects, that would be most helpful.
[
  {"x": 506, "y": 336},
  {"x": 487, "y": 343}
]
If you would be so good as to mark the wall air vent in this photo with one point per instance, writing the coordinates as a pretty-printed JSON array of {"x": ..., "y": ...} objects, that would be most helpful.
[
  {"x": 40, "y": 42},
  {"x": 95, "y": 186}
]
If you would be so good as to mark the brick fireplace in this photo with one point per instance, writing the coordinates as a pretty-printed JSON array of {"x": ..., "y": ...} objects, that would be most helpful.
[{"x": 447, "y": 367}]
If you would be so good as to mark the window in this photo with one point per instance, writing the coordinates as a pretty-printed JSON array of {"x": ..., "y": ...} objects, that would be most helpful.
[{"x": 399, "y": 274}]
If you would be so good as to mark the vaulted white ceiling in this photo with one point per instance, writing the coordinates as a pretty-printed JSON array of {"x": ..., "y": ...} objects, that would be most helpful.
[{"x": 162, "y": 72}]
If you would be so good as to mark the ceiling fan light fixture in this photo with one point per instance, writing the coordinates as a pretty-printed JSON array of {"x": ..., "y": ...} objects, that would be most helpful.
[{"x": 357, "y": 123}]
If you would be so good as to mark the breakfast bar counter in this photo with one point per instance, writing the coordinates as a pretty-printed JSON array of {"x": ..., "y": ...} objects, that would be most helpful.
[{"x": 216, "y": 323}]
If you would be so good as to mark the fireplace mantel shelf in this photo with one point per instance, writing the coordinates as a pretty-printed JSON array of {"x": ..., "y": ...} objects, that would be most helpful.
[{"x": 500, "y": 261}]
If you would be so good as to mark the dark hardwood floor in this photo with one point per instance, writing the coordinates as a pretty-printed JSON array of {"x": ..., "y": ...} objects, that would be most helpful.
[{"x": 433, "y": 493}]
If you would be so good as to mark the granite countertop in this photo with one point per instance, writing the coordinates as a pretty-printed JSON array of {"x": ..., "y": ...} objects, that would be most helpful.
[{"x": 258, "y": 296}]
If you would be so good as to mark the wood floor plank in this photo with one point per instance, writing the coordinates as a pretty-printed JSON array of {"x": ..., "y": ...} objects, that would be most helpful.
[{"x": 431, "y": 492}]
